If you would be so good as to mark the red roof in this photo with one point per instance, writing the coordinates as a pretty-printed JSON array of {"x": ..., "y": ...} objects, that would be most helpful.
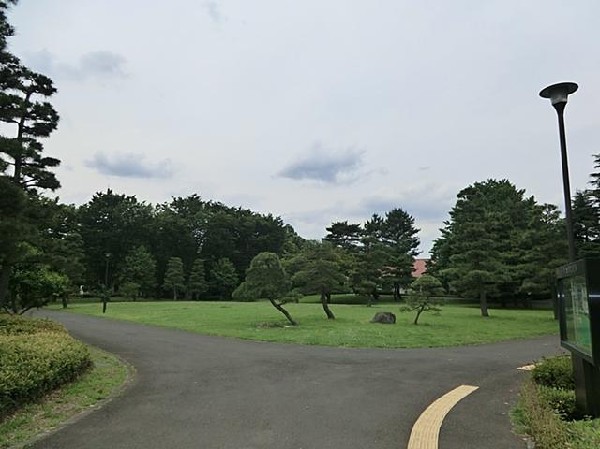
[{"x": 419, "y": 267}]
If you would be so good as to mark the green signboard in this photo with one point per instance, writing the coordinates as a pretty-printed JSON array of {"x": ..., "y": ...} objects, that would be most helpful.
[
  {"x": 578, "y": 288},
  {"x": 577, "y": 314}
]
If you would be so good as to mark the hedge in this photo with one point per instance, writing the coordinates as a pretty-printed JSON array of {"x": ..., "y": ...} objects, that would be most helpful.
[{"x": 36, "y": 356}]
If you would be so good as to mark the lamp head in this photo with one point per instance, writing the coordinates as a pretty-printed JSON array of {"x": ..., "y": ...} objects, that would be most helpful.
[{"x": 558, "y": 93}]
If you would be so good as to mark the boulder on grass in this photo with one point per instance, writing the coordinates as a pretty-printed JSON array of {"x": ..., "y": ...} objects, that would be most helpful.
[{"x": 384, "y": 318}]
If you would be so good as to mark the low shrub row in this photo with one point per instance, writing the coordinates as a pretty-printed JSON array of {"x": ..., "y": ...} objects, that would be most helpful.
[
  {"x": 18, "y": 325},
  {"x": 36, "y": 356},
  {"x": 547, "y": 410}
]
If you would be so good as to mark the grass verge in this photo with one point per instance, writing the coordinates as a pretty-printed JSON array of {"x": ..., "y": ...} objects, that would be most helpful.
[
  {"x": 455, "y": 325},
  {"x": 105, "y": 380},
  {"x": 546, "y": 410}
]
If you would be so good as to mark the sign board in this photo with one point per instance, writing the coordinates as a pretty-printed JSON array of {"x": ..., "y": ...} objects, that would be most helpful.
[{"x": 579, "y": 302}]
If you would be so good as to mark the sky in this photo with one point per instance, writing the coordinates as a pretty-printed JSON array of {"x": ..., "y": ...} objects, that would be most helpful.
[{"x": 317, "y": 111}]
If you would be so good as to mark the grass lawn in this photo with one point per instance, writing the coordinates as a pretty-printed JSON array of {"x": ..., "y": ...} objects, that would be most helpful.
[
  {"x": 455, "y": 325},
  {"x": 105, "y": 380}
]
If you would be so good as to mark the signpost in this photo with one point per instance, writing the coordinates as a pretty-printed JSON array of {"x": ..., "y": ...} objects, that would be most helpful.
[{"x": 579, "y": 302}]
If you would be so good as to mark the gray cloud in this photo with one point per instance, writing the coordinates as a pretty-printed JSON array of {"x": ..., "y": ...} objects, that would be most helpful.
[
  {"x": 325, "y": 165},
  {"x": 94, "y": 64},
  {"x": 214, "y": 10},
  {"x": 102, "y": 64},
  {"x": 130, "y": 165}
]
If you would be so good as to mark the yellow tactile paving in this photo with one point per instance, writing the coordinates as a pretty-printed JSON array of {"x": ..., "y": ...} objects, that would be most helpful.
[
  {"x": 426, "y": 431},
  {"x": 526, "y": 367}
]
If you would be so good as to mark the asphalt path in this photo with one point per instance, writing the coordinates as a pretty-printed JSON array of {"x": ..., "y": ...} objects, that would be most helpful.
[{"x": 195, "y": 391}]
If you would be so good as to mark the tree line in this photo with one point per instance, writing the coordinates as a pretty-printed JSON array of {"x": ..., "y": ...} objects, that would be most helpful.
[{"x": 498, "y": 244}]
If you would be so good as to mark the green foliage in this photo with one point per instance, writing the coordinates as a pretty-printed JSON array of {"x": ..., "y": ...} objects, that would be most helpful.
[
  {"x": 266, "y": 278},
  {"x": 112, "y": 224},
  {"x": 424, "y": 296},
  {"x": 345, "y": 235},
  {"x": 547, "y": 408},
  {"x": 383, "y": 252},
  {"x": 319, "y": 269},
  {"x": 34, "y": 285},
  {"x": 174, "y": 277},
  {"x": 130, "y": 290},
  {"x": 561, "y": 401},
  {"x": 224, "y": 278},
  {"x": 103, "y": 381},
  {"x": 18, "y": 325},
  {"x": 197, "y": 284},
  {"x": 556, "y": 372},
  {"x": 192, "y": 228},
  {"x": 586, "y": 215},
  {"x": 34, "y": 360},
  {"x": 20, "y": 89},
  {"x": 140, "y": 269},
  {"x": 585, "y": 434},
  {"x": 540, "y": 421},
  {"x": 498, "y": 243}
]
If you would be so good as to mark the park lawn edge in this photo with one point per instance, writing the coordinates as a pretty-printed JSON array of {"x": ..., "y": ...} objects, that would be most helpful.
[
  {"x": 109, "y": 378},
  {"x": 348, "y": 331}
]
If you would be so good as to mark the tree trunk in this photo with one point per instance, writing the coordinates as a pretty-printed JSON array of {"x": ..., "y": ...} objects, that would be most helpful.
[
  {"x": 174, "y": 294},
  {"x": 396, "y": 291},
  {"x": 282, "y": 310},
  {"x": 419, "y": 311},
  {"x": 324, "y": 303},
  {"x": 483, "y": 303}
]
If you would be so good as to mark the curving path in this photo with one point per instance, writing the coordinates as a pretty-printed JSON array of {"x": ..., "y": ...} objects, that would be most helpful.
[{"x": 194, "y": 391}]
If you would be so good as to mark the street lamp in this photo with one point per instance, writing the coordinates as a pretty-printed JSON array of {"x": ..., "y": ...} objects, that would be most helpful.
[
  {"x": 577, "y": 285},
  {"x": 106, "y": 290},
  {"x": 558, "y": 94}
]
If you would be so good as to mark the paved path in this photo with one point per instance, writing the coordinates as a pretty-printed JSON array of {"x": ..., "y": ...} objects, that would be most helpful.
[{"x": 194, "y": 391}]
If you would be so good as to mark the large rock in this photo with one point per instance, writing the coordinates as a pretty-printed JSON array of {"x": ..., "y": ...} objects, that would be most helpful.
[{"x": 384, "y": 318}]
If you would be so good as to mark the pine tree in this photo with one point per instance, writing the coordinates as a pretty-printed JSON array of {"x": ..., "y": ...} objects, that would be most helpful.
[
  {"x": 26, "y": 119},
  {"x": 174, "y": 277},
  {"x": 197, "y": 284}
]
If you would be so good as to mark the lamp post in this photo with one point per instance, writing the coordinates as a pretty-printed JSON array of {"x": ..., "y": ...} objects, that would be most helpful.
[
  {"x": 105, "y": 295},
  {"x": 586, "y": 373},
  {"x": 558, "y": 93}
]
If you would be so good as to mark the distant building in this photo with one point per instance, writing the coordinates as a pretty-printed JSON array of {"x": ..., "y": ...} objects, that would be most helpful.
[{"x": 419, "y": 267}]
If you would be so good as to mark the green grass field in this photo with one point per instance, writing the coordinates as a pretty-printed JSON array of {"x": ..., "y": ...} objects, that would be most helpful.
[{"x": 455, "y": 325}]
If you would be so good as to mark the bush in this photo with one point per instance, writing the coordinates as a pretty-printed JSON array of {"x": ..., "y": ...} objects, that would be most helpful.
[
  {"x": 585, "y": 434},
  {"x": 560, "y": 401},
  {"x": 556, "y": 372},
  {"x": 547, "y": 409},
  {"x": 36, "y": 356},
  {"x": 17, "y": 325}
]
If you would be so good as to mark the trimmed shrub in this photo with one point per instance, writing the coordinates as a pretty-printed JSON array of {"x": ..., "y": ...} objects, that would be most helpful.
[
  {"x": 34, "y": 363},
  {"x": 561, "y": 401},
  {"x": 16, "y": 325},
  {"x": 556, "y": 372}
]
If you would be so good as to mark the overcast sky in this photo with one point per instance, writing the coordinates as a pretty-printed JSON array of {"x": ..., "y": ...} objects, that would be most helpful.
[{"x": 315, "y": 110}]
